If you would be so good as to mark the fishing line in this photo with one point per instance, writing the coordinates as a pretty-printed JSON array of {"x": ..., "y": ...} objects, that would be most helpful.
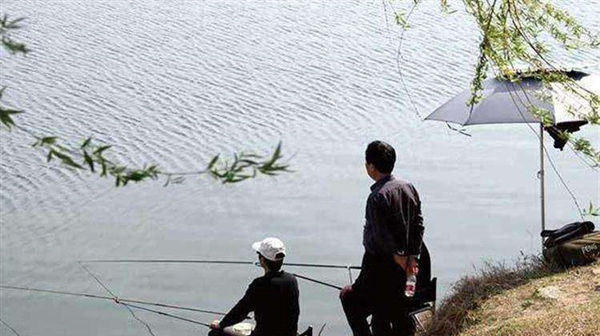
[
  {"x": 101, "y": 297},
  {"x": 9, "y": 327},
  {"x": 98, "y": 280},
  {"x": 128, "y": 302},
  {"x": 234, "y": 262},
  {"x": 547, "y": 154},
  {"x": 116, "y": 299},
  {"x": 127, "y": 306},
  {"x": 225, "y": 262},
  {"x": 545, "y": 150},
  {"x": 400, "y": 57}
]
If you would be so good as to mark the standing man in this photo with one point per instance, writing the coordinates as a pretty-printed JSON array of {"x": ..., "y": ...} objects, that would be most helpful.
[
  {"x": 273, "y": 297},
  {"x": 392, "y": 239}
]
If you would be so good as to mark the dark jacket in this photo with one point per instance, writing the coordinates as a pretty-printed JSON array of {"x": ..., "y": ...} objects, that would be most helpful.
[
  {"x": 274, "y": 300},
  {"x": 394, "y": 223}
]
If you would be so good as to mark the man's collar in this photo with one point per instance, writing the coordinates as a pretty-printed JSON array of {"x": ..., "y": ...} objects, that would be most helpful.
[
  {"x": 381, "y": 182},
  {"x": 274, "y": 273}
]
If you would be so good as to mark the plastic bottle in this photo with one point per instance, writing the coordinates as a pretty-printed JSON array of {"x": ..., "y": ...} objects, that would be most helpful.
[{"x": 411, "y": 283}]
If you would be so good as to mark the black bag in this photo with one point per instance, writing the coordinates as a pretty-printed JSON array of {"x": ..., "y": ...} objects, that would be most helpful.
[
  {"x": 575, "y": 252},
  {"x": 574, "y": 244},
  {"x": 566, "y": 233}
]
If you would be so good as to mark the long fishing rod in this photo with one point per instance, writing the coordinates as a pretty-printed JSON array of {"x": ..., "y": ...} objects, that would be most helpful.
[
  {"x": 123, "y": 302},
  {"x": 226, "y": 262},
  {"x": 232, "y": 262},
  {"x": 327, "y": 284},
  {"x": 128, "y": 302},
  {"x": 166, "y": 314},
  {"x": 102, "y": 297}
]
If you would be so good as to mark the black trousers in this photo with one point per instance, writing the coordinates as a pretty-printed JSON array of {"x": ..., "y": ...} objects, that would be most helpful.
[{"x": 378, "y": 292}]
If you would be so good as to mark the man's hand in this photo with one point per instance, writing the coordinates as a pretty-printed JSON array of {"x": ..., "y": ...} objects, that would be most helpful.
[
  {"x": 345, "y": 291},
  {"x": 215, "y": 325},
  {"x": 408, "y": 263},
  {"x": 413, "y": 266},
  {"x": 402, "y": 261}
]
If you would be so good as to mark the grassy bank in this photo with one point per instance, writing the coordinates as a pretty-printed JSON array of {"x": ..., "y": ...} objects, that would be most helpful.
[{"x": 530, "y": 298}]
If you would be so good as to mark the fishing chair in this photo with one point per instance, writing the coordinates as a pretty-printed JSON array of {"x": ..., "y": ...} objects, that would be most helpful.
[
  {"x": 307, "y": 332},
  {"x": 423, "y": 303},
  {"x": 245, "y": 329},
  {"x": 424, "y": 310}
]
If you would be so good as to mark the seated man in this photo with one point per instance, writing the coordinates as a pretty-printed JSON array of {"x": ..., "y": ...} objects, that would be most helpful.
[{"x": 273, "y": 297}]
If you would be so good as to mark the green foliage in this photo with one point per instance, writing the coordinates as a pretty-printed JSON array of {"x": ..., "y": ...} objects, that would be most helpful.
[
  {"x": 515, "y": 35},
  {"x": 45, "y": 141},
  {"x": 518, "y": 34},
  {"x": 594, "y": 117},
  {"x": 542, "y": 114},
  {"x": 5, "y": 116},
  {"x": 6, "y": 113},
  {"x": 446, "y": 9},
  {"x": 400, "y": 18},
  {"x": 591, "y": 211},
  {"x": 90, "y": 156},
  {"x": 584, "y": 146},
  {"x": 6, "y": 26},
  {"x": 245, "y": 166}
]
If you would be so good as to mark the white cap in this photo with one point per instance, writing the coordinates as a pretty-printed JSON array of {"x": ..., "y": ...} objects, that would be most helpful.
[{"x": 270, "y": 248}]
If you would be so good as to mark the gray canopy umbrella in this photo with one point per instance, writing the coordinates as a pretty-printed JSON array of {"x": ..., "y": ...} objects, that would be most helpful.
[{"x": 509, "y": 102}]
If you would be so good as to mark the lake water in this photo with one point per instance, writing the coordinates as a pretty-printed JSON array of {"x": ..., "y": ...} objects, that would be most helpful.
[{"x": 175, "y": 82}]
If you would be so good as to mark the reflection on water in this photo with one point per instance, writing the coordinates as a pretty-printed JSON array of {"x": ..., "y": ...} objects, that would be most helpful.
[{"x": 175, "y": 82}]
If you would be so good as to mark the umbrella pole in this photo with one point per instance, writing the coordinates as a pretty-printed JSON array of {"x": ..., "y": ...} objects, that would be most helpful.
[{"x": 542, "y": 180}]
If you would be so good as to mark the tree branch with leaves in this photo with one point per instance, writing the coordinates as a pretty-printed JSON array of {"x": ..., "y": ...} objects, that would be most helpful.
[
  {"x": 92, "y": 157},
  {"x": 518, "y": 38}
]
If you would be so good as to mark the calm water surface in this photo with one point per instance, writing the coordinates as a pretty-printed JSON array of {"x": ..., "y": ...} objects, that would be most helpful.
[{"x": 174, "y": 82}]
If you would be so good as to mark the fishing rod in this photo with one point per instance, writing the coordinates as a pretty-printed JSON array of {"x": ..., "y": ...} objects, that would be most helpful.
[
  {"x": 102, "y": 297},
  {"x": 206, "y": 324},
  {"x": 166, "y": 314},
  {"x": 123, "y": 302},
  {"x": 126, "y": 303},
  {"x": 232, "y": 262},
  {"x": 327, "y": 284},
  {"x": 225, "y": 262}
]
